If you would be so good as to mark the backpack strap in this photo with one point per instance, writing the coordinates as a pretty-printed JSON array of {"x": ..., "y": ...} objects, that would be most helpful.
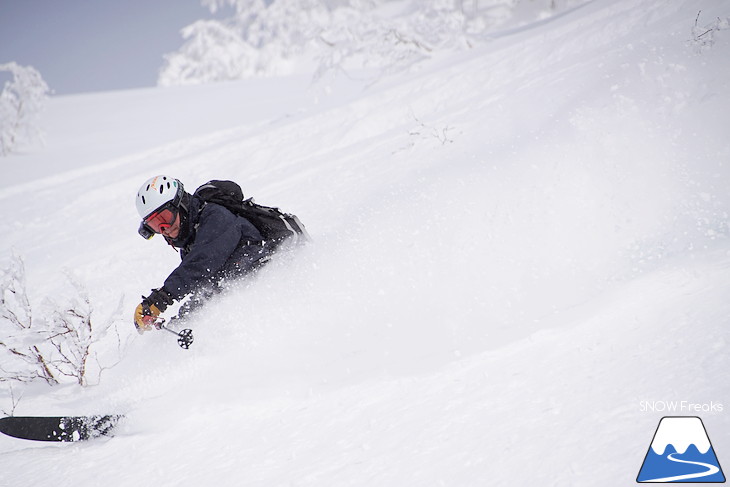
[{"x": 242, "y": 242}]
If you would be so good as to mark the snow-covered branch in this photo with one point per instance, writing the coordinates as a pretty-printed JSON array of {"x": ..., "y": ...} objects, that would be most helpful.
[
  {"x": 703, "y": 37},
  {"x": 21, "y": 101},
  {"x": 21, "y": 359},
  {"x": 57, "y": 345},
  {"x": 277, "y": 37}
]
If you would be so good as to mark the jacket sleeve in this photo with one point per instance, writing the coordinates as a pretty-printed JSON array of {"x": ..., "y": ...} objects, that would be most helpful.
[{"x": 217, "y": 238}]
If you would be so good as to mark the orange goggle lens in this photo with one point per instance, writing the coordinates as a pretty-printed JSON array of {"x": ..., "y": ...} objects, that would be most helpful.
[{"x": 160, "y": 220}]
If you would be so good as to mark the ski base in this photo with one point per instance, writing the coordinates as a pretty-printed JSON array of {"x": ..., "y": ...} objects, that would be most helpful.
[{"x": 59, "y": 428}]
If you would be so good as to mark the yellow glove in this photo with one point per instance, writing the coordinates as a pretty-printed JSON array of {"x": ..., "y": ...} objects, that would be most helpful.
[{"x": 145, "y": 316}]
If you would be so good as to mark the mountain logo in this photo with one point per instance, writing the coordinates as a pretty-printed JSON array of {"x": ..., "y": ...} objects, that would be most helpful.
[{"x": 680, "y": 452}]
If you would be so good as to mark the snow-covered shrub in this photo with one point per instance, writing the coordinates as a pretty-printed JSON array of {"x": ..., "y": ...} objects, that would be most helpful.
[
  {"x": 57, "y": 344},
  {"x": 703, "y": 37},
  {"x": 275, "y": 37},
  {"x": 20, "y": 356},
  {"x": 71, "y": 334},
  {"x": 21, "y": 101}
]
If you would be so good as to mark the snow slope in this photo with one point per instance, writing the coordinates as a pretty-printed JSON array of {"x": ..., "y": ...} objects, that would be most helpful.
[{"x": 514, "y": 247}]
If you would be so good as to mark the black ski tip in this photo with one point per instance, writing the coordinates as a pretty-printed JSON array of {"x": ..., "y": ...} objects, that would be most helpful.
[{"x": 59, "y": 428}]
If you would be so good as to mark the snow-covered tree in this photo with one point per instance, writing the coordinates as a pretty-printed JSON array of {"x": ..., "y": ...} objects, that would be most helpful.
[
  {"x": 275, "y": 37},
  {"x": 212, "y": 52},
  {"x": 21, "y": 101},
  {"x": 261, "y": 39}
]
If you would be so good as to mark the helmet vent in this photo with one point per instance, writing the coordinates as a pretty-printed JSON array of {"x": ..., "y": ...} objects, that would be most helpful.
[{"x": 157, "y": 192}]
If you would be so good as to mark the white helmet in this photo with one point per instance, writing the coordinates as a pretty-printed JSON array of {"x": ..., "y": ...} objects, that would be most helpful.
[{"x": 156, "y": 192}]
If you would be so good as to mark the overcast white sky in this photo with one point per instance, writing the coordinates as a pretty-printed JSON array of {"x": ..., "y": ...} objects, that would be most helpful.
[{"x": 94, "y": 45}]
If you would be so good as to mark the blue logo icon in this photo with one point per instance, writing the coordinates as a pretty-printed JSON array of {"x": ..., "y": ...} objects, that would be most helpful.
[{"x": 681, "y": 452}]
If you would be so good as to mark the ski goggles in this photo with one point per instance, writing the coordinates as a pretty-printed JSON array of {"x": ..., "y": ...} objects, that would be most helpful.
[{"x": 158, "y": 221}]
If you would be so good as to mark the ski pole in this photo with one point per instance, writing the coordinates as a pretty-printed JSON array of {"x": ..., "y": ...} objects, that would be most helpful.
[{"x": 184, "y": 337}]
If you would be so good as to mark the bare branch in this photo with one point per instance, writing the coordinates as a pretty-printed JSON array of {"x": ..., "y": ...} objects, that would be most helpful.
[
  {"x": 13, "y": 402},
  {"x": 61, "y": 346}
]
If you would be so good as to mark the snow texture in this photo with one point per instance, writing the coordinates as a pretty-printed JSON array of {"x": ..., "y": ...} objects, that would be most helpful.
[{"x": 514, "y": 246}]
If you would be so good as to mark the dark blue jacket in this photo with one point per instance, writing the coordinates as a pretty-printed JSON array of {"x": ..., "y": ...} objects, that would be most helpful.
[{"x": 216, "y": 244}]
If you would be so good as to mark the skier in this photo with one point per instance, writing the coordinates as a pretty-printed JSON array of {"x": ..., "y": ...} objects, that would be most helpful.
[{"x": 214, "y": 244}]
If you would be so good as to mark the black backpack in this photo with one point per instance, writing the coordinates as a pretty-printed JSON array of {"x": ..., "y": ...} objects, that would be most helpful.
[{"x": 273, "y": 224}]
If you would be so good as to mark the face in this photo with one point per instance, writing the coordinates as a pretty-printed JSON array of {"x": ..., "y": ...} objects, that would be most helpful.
[
  {"x": 173, "y": 230},
  {"x": 165, "y": 221}
]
